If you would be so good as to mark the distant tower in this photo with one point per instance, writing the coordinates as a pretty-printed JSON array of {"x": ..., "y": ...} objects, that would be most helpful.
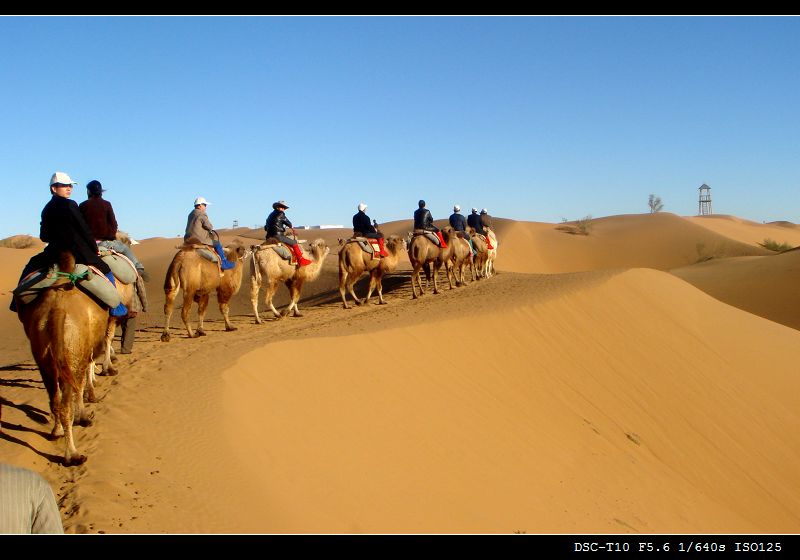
[
  {"x": 705, "y": 200},
  {"x": 235, "y": 224}
]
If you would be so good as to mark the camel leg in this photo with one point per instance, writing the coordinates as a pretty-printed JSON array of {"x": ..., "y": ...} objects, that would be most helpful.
[
  {"x": 225, "y": 310},
  {"x": 415, "y": 277},
  {"x": 435, "y": 276},
  {"x": 169, "y": 304},
  {"x": 372, "y": 284},
  {"x": 255, "y": 287},
  {"x": 272, "y": 287},
  {"x": 202, "y": 305},
  {"x": 55, "y": 411},
  {"x": 343, "y": 287},
  {"x": 294, "y": 292},
  {"x": 82, "y": 416},
  {"x": 90, "y": 395},
  {"x": 108, "y": 367},
  {"x": 448, "y": 269},
  {"x": 65, "y": 415},
  {"x": 352, "y": 287},
  {"x": 379, "y": 287}
]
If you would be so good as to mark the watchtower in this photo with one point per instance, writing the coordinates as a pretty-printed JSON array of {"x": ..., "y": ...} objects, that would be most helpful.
[{"x": 704, "y": 205}]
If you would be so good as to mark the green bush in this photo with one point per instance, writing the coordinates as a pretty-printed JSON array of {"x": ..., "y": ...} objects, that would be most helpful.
[{"x": 773, "y": 245}]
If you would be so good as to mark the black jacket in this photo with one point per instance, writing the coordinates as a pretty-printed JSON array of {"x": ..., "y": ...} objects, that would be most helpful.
[
  {"x": 277, "y": 222},
  {"x": 458, "y": 221},
  {"x": 423, "y": 219},
  {"x": 474, "y": 221},
  {"x": 64, "y": 229},
  {"x": 363, "y": 225}
]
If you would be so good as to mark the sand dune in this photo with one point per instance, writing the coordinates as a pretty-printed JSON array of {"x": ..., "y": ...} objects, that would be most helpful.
[{"x": 584, "y": 389}]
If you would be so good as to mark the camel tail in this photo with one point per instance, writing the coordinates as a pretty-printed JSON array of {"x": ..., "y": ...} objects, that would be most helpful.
[
  {"x": 172, "y": 281},
  {"x": 63, "y": 371}
]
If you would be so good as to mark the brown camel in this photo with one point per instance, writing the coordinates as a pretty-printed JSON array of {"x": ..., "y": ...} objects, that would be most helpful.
[
  {"x": 354, "y": 262},
  {"x": 267, "y": 265},
  {"x": 199, "y": 277},
  {"x": 461, "y": 256},
  {"x": 422, "y": 252},
  {"x": 66, "y": 329}
]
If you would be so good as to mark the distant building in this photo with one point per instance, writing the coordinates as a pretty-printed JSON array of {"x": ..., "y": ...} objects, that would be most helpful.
[{"x": 323, "y": 226}]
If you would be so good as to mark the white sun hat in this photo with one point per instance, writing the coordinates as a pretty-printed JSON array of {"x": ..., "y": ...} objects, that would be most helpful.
[
  {"x": 201, "y": 200},
  {"x": 362, "y": 207},
  {"x": 61, "y": 178}
]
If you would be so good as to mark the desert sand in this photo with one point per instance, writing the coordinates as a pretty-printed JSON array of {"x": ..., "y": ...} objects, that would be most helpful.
[{"x": 643, "y": 378}]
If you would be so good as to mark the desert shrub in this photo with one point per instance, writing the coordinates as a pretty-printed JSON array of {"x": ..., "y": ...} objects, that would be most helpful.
[
  {"x": 584, "y": 225},
  {"x": 18, "y": 242},
  {"x": 773, "y": 245}
]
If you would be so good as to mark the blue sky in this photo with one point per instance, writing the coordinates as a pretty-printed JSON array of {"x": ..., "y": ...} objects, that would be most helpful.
[{"x": 537, "y": 118}]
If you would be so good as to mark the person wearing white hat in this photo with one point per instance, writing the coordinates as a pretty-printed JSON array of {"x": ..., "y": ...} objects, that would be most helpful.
[
  {"x": 276, "y": 227},
  {"x": 362, "y": 226},
  {"x": 64, "y": 229},
  {"x": 200, "y": 230},
  {"x": 457, "y": 220}
]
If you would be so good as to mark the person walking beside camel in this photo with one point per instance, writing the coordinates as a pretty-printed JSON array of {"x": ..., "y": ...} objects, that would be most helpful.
[
  {"x": 200, "y": 230},
  {"x": 276, "y": 226}
]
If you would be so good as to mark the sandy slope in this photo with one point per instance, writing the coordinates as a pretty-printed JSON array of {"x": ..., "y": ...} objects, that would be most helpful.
[{"x": 541, "y": 400}]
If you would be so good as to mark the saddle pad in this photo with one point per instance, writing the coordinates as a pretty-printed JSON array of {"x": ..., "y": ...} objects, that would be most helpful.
[
  {"x": 33, "y": 284},
  {"x": 98, "y": 285},
  {"x": 121, "y": 266},
  {"x": 208, "y": 254},
  {"x": 283, "y": 252}
]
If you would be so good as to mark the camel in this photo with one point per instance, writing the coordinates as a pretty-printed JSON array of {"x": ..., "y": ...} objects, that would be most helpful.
[
  {"x": 354, "y": 261},
  {"x": 266, "y": 263},
  {"x": 461, "y": 257},
  {"x": 66, "y": 329},
  {"x": 199, "y": 277},
  {"x": 422, "y": 252},
  {"x": 491, "y": 254}
]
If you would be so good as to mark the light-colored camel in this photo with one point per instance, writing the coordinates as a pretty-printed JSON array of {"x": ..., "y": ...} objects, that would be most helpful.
[
  {"x": 354, "y": 262},
  {"x": 66, "y": 329},
  {"x": 461, "y": 256},
  {"x": 482, "y": 253},
  {"x": 421, "y": 253},
  {"x": 491, "y": 254},
  {"x": 199, "y": 277},
  {"x": 267, "y": 266}
]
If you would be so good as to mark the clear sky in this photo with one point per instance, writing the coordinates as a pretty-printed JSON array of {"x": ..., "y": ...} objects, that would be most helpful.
[{"x": 535, "y": 118}]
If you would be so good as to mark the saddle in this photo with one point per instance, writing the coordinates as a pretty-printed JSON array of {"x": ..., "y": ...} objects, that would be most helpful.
[
  {"x": 87, "y": 278},
  {"x": 368, "y": 245},
  {"x": 429, "y": 234},
  {"x": 282, "y": 249},
  {"x": 122, "y": 267}
]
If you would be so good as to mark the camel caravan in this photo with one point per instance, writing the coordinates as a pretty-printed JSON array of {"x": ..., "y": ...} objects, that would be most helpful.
[{"x": 72, "y": 297}]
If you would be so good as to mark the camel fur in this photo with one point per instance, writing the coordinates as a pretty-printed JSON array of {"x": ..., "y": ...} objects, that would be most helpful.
[
  {"x": 199, "y": 278},
  {"x": 422, "y": 252},
  {"x": 67, "y": 330},
  {"x": 267, "y": 266},
  {"x": 354, "y": 262},
  {"x": 461, "y": 257}
]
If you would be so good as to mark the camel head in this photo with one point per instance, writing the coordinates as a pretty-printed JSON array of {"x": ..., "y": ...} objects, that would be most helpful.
[
  {"x": 235, "y": 251},
  {"x": 124, "y": 238},
  {"x": 394, "y": 243},
  {"x": 319, "y": 249}
]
